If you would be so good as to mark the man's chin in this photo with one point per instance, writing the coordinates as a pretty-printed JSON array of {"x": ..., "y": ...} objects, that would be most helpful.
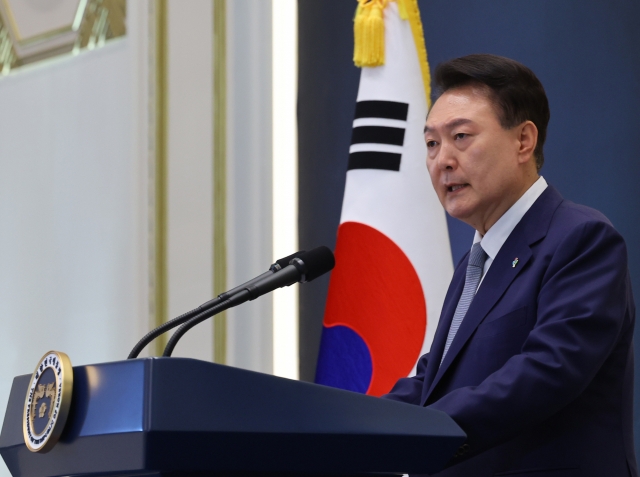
[{"x": 461, "y": 213}]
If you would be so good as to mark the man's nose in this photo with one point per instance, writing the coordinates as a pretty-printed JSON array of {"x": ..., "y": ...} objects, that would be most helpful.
[{"x": 446, "y": 158}]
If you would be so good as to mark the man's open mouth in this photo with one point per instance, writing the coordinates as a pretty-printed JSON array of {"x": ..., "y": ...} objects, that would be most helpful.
[{"x": 456, "y": 187}]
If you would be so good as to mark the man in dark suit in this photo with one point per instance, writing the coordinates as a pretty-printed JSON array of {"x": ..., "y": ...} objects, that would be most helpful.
[{"x": 533, "y": 354}]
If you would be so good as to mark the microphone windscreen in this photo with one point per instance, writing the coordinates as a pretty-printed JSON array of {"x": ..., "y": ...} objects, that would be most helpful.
[
  {"x": 317, "y": 262},
  {"x": 283, "y": 262}
]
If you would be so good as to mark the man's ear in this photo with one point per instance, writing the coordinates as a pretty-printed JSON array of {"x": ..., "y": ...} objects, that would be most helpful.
[{"x": 528, "y": 139}]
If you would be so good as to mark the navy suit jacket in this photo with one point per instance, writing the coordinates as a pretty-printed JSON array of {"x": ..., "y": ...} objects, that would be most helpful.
[{"x": 540, "y": 373}]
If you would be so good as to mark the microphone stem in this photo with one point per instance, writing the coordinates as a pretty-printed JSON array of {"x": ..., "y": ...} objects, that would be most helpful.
[
  {"x": 163, "y": 328},
  {"x": 236, "y": 299}
]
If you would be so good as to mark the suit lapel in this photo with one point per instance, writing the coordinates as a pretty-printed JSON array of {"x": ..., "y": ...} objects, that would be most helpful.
[{"x": 530, "y": 229}]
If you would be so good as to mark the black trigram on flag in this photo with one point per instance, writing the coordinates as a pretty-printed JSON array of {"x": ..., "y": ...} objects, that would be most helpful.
[{"x": 378, "y": 135}]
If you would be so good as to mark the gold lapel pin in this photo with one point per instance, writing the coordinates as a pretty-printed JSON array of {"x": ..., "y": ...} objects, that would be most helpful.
[{"x": 514, "y": 263}]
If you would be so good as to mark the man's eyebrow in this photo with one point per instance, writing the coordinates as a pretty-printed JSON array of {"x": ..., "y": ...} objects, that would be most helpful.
[{"x": 453, "y": 124}]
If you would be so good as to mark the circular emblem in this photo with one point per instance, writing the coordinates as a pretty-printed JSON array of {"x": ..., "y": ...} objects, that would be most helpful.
[{"x": 47, "y": 404}]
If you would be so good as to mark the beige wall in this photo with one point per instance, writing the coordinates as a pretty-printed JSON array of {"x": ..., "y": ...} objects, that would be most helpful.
[
  {"x": 73, "y": 217},
  {"x": 77, "y": 221}
]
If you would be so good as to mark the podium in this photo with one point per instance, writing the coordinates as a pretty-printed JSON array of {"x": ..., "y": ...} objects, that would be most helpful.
[{"x": 184, "y": 417}]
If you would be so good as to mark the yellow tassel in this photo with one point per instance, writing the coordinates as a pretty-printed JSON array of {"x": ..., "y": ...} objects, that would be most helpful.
[
  {"x": 368, "y": 31},
  {"x": 358, "y": 34},
  {"x": 402, "y": 9}
]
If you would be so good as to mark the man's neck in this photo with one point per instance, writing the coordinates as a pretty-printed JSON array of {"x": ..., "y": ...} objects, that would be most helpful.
[{"x": 496, "y": 214}]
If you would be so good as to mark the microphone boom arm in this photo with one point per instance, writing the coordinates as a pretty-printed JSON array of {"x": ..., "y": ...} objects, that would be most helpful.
[
  {"x": 220, "y": 307},
  {"x": 302, "y": 267},
  {"x": 163, "y": 328},
  {"x": 285, "y": 277}
]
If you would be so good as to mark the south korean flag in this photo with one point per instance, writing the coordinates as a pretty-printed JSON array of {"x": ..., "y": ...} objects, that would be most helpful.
[{"x": 393, "y": 258}]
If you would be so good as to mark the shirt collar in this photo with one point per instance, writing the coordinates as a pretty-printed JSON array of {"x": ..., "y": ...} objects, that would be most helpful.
[{"x": 497, "y": 235}]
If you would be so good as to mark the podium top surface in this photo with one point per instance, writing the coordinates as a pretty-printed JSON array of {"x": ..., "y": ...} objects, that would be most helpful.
[{"x": 165, "y": 415}]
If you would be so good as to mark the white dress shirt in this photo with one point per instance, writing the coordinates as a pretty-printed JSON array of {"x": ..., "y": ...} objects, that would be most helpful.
[{"x": 497, "y": 235}]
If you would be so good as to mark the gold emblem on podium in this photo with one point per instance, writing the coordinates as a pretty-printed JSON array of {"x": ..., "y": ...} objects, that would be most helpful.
[{"x": 47, "y": 403}]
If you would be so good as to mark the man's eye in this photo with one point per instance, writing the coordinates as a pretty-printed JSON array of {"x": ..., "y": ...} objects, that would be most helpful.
[
  {"x": 460, "y": 135},
  {"x": 431, "y": 144}
]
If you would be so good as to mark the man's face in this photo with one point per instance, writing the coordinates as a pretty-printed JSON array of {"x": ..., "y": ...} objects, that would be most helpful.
[{"x": 475, "y": 164}]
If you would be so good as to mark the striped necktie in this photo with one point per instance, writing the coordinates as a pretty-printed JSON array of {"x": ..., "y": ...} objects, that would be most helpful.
[{"x": 475, "y": 267}]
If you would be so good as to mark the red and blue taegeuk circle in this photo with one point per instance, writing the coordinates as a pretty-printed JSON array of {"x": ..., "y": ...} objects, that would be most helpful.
[{"x": 375, "y": 317}]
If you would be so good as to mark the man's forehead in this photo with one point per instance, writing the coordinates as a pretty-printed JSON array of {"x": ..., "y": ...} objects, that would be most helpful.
[
  {"x": 459, "y": 106},
  {"x": 453, "y": 123}
]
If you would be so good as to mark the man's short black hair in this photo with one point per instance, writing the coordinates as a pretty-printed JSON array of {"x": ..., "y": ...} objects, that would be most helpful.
[{"x": 515, "y": 90}]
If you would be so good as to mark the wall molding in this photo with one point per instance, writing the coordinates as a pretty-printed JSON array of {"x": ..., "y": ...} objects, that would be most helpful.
[{"x": 87, "y": 25}]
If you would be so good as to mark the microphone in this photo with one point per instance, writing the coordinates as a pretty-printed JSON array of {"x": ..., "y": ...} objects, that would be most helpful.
[
  {"x": 208, "y": 306},
  {"x": 306, "y": 267},
  {"x": 275, "y": 267}
]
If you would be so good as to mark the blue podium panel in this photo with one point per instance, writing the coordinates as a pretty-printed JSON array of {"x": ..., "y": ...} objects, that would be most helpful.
[{"x": 174, "y": 416}]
